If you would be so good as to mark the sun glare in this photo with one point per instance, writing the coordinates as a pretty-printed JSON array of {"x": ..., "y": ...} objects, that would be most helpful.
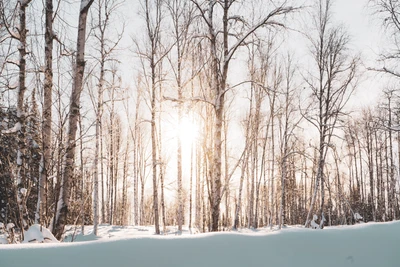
[{"x": 188, "y": 131}]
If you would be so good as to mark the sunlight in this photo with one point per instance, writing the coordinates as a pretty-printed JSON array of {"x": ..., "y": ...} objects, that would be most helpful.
[{"x": 188, "y": 132}]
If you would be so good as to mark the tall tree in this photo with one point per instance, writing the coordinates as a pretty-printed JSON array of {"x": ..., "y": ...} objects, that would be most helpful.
[
  {"x": 68, "y": 166},
  {"x": 181, "y": 15},
  {"x": 222, "y": 53},
  {"x": 47, "y": 114},
  {"x": 330, "y": 89},
  {"x": 153, "y": 55},
  {"x": 105, "y": 9},
  {"x": 289, "y": 123}
]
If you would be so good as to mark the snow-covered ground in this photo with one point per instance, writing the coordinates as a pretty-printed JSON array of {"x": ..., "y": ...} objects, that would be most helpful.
[{"x": 364, "y": 245}]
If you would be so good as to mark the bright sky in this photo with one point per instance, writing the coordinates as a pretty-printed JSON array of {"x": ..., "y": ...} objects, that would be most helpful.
[
  {"x": 367, "y": 38},
  {"x": 362, "y": 26}
]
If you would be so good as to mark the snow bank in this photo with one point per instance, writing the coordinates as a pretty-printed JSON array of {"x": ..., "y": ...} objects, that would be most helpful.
[
  {"x": 366, "y": 245},
  {"x": 38, "y": 234}
]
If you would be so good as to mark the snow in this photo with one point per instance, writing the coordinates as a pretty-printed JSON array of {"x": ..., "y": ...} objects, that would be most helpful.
[
  {"x": 314, "y": 225},
  {"x": 3, "y": 237},
  {"x": 10, "y": 226},
  {"x": 23, "y": 191},
  {"x": 370, "y": 244},
  {"x": 357, "y": 216},
  {"x": 16, "y": 128},
  {"x": 4, "y": 123},
  {"x": 19, "y": 159},
  {"x": 39, "y": 234},
  {"x": 35, "y": 144}
]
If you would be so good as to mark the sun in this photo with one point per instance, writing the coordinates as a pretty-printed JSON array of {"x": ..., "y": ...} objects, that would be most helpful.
[{"x": 188, "y": 131}]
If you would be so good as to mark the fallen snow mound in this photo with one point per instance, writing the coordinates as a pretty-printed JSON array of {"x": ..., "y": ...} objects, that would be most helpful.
[
  {"x": 39, "y": 234},
  {"x": 364, "y": 245}
]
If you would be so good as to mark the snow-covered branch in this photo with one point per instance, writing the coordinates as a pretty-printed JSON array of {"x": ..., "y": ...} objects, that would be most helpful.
[{"x": 16, "y": 128}]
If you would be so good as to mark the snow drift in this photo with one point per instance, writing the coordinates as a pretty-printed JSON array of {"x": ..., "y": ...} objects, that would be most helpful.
[
  {"x": 362, "y": 245},
  {"x": 38, "y": 234}
]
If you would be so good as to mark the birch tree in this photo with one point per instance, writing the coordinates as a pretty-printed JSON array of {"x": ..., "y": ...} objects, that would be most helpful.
[
  {"x": 60, "y": 219},
  {"x": 151, "y": 57},
  {"x": 217, "y": 18},
  {"x": 289, "y": 122},
  {"x": 181, "y": 16},
  {"x": 47, "y": 114},
  {"x": 331, "y": 86},
  {"x": 104, "y": 9}
]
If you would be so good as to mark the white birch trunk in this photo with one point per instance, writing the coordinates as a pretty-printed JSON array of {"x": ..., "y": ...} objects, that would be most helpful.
[
  {"x": 68, "y": 165},
  {"x": 47, "y": 117}
]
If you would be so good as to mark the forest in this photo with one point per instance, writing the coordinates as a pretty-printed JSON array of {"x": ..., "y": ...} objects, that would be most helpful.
[{"x": 212, "y": 115}]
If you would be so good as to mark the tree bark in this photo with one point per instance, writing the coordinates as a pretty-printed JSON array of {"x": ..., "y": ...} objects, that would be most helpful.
[
  {"x": 68, "y": 166},
  {"x": 47, "y": 116}
]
